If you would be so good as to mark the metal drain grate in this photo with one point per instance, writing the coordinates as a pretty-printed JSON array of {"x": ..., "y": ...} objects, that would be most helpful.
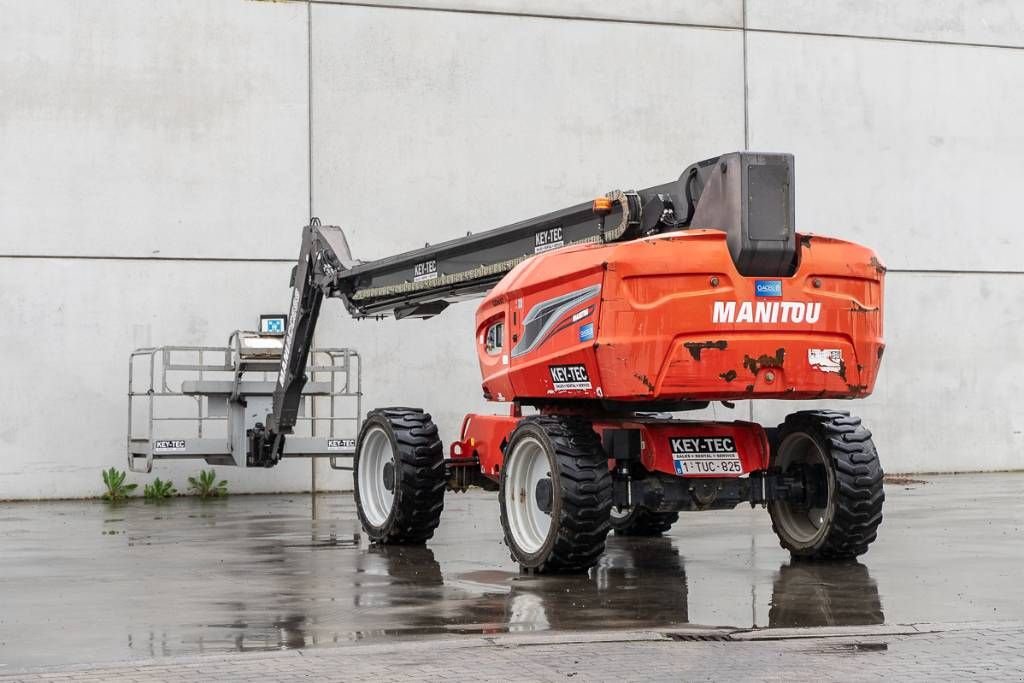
[{"x": 699, "y": 637}]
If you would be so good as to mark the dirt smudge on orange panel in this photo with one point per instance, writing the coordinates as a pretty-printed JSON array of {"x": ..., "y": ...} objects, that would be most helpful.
[
  {"x": 696, "y": 347},
  {"x": 644, "y": 380},
  {"x": 765, "y": 361}
]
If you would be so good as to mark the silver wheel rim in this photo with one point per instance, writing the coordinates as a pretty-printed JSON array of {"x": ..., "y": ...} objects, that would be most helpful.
[
  {"x": 619, "y": 514},
  {"x": 374, "y": 498},
  {"x": 804, "y": 526},
  {"x": 527, "y": 523}
]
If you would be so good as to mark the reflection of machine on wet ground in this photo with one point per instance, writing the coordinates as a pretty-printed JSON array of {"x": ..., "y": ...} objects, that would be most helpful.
[
  {"x": 611, "y": 595},
  {"x": 813, "y": 594},
  {"x": 640, "y": 583}
]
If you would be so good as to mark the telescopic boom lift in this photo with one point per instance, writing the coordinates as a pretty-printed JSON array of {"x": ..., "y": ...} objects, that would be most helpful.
[{"x": 596, "y": 321}]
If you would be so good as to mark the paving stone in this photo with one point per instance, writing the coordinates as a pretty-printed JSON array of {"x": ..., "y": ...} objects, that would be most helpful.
[{"x": 992, "y": 651}]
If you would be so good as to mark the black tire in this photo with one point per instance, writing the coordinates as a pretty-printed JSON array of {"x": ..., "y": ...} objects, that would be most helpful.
[
  {"x": 641, "y": 521},
  {"x": 581, "y": 494},
  {"x": 850, "y": 477},
  {"x": 418, "y": 481}
]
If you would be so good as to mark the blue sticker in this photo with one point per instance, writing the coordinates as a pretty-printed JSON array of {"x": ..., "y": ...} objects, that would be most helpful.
[
  {"x": 768, "y": 287},
  {"x": 679, "y": 466},
  {"x": 586, "y": 332}
]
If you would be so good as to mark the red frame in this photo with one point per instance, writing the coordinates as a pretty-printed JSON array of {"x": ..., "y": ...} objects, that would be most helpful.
[{"x": 485, "y": 437}]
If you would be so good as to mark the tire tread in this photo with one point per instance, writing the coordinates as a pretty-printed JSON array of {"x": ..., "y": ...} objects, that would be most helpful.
[
  {"x": 585, "y": 483},
  {"x": 859, "y": 491},
  {"x": 419, "y": 462}
]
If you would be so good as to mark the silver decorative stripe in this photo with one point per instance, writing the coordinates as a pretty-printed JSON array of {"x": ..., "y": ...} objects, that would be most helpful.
[{"x": 543, "y": 316}]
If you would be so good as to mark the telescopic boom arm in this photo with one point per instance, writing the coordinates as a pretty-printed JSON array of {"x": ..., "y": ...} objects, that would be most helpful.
[{"x": 422, "y": 283}]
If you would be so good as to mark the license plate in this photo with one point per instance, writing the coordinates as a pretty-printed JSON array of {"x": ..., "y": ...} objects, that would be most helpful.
[
  {"x": 705, "y": 455},
  {"x": 718, "y": 466}
]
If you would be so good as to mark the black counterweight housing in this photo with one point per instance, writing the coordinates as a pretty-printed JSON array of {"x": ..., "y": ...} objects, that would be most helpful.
[{"x": 749, "y": 196}]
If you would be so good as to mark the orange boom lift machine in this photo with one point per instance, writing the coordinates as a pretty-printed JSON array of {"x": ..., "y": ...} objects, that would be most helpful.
[{"x": 599, "y": 325}]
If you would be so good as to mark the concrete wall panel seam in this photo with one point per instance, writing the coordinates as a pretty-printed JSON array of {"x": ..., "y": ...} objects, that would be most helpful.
[
  {"x": 430, "y": 7},
  {"x": 887, "y": 39}
]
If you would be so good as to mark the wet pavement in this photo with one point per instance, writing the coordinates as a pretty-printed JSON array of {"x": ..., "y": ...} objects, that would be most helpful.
[{"x": 86, "y": 582}]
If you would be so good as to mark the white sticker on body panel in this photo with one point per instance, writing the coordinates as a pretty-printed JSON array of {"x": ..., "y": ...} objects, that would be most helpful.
[
  {"x": 705, "y": 455},
  {"x": 826, "y": 360},
  {"x": 164, "y": 445},
  {"x": 570, "y": 377}
]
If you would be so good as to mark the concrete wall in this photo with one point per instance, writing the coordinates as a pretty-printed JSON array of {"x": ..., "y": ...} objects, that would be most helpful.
[{"x": 157, "y": 159}]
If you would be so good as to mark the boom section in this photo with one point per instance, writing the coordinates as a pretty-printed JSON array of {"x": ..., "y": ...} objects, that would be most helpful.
[
  {"x": 747, "y": 195},
  {"x": 323, "y": 255},
  {"x": 423, "y": 282}
]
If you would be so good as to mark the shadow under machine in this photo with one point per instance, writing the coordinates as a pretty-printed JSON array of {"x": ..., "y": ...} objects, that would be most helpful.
[{"x": 600, "y": 323}]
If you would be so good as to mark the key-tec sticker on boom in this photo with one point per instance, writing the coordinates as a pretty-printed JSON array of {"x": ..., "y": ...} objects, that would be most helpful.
[
  {"x": 286, "y": 350},
  {"x": 771, "y": 312},
  {"x": 546, "y": 240},
  {"x": 569, "y": 377},
  {"x": 705, "y": 455},
  {"x": 424, "y": 271}
]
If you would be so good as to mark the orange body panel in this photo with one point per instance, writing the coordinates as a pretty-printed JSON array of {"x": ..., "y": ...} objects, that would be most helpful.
[{"x": 671, "y": 319}]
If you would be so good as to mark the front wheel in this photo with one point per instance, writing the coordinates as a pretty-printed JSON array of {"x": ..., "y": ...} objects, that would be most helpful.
[
  {"x": 833, "y": 455},
  {"x": 398, "y": 476},
  {"x": 555, "y": 495}
]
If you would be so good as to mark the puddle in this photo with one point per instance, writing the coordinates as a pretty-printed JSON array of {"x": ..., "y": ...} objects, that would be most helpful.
[{"x": 265, "y": 572}]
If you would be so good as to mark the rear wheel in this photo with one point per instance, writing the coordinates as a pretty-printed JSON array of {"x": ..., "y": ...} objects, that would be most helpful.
[
  {"x": 398, "y": 477},
  {"x": 555, "y": 495},
  {"x": 641, "y": 521},
  {"x": 832, "y": 453}
]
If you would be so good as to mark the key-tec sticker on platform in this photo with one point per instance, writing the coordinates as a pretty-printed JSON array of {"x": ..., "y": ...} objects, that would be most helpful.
[
  {"x": 569, "y": 377},
  {"x": 164, "y": 445},
  {"x": 705, "y": 455},
  {"x": 826, "y": 360},
  {"x": 340, "y": 444}
]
